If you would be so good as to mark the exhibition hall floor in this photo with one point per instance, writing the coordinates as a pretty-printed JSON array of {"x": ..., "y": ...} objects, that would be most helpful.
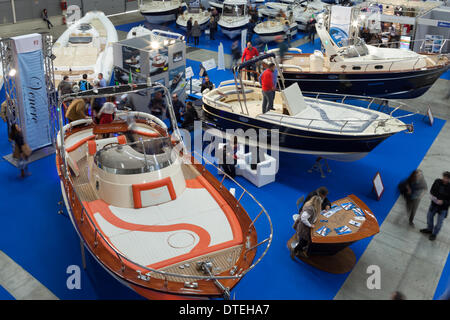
[{"x": 45, "y": 244}]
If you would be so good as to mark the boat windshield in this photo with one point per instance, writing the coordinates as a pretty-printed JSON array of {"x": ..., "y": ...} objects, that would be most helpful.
[
  {"x": 232, "y": 10},
  {"x": 78, "y": 40},
  {"x": 137, "y": 157},
  {"x": 358, "y": 49}
]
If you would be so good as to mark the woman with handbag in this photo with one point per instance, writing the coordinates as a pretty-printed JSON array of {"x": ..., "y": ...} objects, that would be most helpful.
[
  {"x": 303, "y": 225},
  {"x": 21, "y": 149}
]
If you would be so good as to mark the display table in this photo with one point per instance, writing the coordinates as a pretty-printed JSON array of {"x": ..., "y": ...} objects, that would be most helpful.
[{"x": 335, "y": 230}]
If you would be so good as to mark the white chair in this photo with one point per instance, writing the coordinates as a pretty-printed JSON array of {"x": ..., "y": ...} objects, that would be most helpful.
[{"x": 264, "y": 173}]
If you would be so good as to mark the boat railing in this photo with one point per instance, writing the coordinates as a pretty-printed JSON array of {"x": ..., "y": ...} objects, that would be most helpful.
[
  {"x": 144, "y": 272},
  {"x": 371, "y": 101},
  {"x": 423, "y": 42},
  {"x": 268, "y": 239},
  {"x": 380, "y": 65}
]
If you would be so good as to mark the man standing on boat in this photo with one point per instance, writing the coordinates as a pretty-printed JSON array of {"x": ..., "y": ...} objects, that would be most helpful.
[
  {"x": 268, "y": 88},
  {"x": 249, "y": 53}
]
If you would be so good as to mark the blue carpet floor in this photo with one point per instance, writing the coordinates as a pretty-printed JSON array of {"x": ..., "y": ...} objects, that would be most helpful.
[
  {"x": 444, "y": 282},
  {"x": 45, "y": 244},
  {"x": 4, "y": 295}
]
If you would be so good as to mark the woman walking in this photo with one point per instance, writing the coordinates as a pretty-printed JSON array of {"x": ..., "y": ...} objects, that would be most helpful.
[
  {"x": 413, "y": 189},
  {"x": 21, "y": 149},
  {"x": 196, "y": 33},
  {"x": 304, "y": 223}
]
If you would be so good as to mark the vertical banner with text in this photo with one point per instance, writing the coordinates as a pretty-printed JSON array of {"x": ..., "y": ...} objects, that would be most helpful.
[{"x": 32, "y": 92}]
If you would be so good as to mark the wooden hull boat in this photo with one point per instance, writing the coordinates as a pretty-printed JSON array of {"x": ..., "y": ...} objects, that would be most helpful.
[
  {"x": 85, "y": 48},
  {"x": 363, "y": 69},
  {"x": 148, "y": 212}
]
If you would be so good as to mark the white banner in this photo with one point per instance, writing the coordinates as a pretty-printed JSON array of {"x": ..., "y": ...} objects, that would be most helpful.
[
  {"x": 340, "y": 23},
  {"x": 220, "y": 58},
  {"x": 28, "y": 43},
  {"x": 31, "y": 91}
]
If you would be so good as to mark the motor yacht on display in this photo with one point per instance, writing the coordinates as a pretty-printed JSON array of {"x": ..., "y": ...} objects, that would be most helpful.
[
  {"x": 318, "y": 125},
  {"x": 85, "y": 48},
  {"x": 300, "y": 10},
  {"x": 149, "y": 212},
  {"x": 270, "y": 29},
  {"x": 234, "y": 17},
  {"x": 160, "y": 11},
  {"x": 197, "y": 14},
  {"x": 362, "y": 69}
]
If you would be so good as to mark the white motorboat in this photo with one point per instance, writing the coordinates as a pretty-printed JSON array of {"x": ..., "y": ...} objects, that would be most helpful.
[
  {"x": 138, "y": 31},
  {"x": 218, "y": 4},
  {"x": 197, "y": 14},
  {"x": 301, "y": 11},
  {"x": 361, "y": 69},
  {"x": 234, "y": 17},
  {"x": 318, "y": 125},
  {"x": 160, "y": 11},
  {"x": 270, "y": 29},
  {"x": 149, "y": 212},
  {"x": 85, "y": 48}
]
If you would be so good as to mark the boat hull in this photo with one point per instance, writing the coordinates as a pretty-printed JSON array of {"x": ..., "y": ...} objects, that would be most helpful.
[
  {"x": 393, "y": 85},
  {"x": 330, "y": 146},
  {"x": 143, "y": 291},
  {"x": 160, "y": 16},
  {"x": 232, "y": 32},
  {"x": 270, "y": 36}
]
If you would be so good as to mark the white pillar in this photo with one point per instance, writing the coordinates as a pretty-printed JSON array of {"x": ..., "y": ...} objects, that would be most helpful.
[{"x": 13, "y": 7}]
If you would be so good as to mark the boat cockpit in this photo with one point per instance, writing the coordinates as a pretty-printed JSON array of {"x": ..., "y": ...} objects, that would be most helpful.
[{"x": 137, "y": 157}]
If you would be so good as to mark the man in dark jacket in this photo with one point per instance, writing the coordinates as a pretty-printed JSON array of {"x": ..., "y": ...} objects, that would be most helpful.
[
  {"x": 178, "y": 107},
  {"x": 157, "y": 105},
  {"x": 188, "y": 29},
  {"x": 65, "y": 86},
  {"x": 322, "y": 192},
  {"x": 440, "y": 201},
  {"x": 189, "y": 117}
]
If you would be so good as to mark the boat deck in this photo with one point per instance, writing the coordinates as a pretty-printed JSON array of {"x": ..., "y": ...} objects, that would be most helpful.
[
  {"x": 172, "y": 236},
  {"x": 371, "y": 65},
  {"x": 313, "y": 114}
]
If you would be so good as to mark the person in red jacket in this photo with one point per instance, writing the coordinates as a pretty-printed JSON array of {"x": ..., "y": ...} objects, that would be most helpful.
[
  {"x": 249, "y": 53},
  {"x": 268, "y": 88}
]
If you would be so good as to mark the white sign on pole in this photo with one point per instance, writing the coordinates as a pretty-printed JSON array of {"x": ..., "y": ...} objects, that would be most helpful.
[
  {"x": 189, "y": 73},
  {"x": 243, "y": 40},
  {"x": 220, "y": 58},
  {"x": 209, "y": 64}
]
